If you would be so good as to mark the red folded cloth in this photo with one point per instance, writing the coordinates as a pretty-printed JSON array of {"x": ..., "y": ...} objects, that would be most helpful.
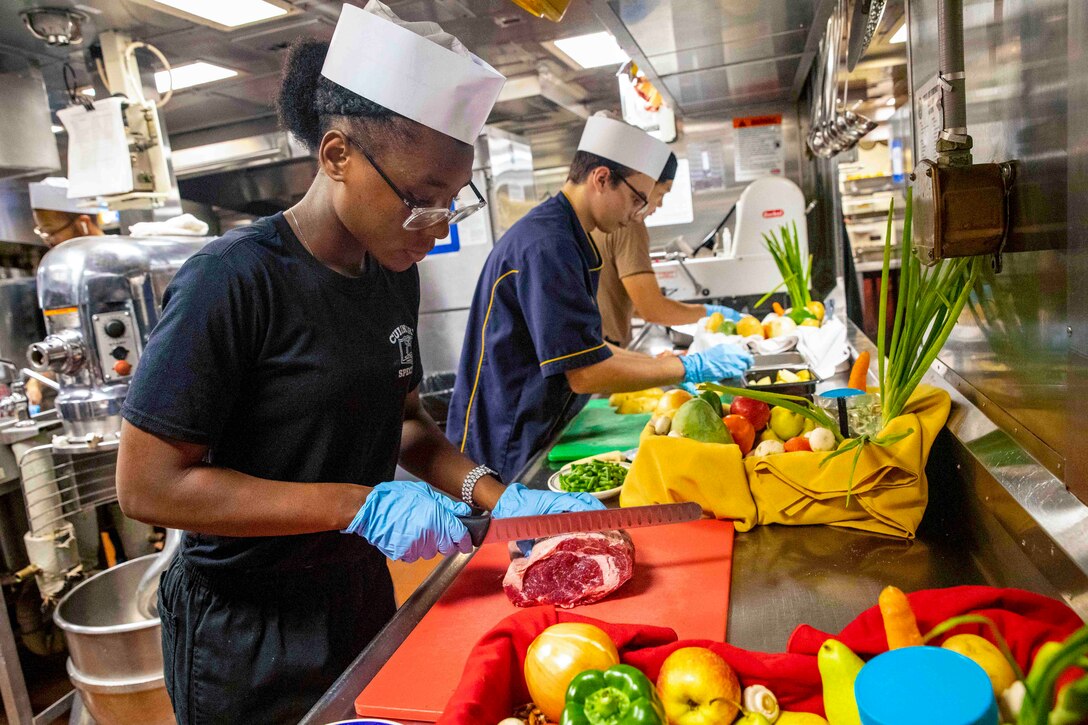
[{"x": 492, "y": 685}]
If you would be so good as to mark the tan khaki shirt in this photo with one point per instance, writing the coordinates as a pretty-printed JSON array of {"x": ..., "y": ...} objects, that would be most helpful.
[{"x": 624, "y": 252}]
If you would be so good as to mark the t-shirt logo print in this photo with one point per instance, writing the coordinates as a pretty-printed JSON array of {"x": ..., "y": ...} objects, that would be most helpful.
[{"x": 403, "y": 337}]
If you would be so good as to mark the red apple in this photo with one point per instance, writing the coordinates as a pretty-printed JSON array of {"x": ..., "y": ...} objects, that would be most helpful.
[{"x": 757, "y": 413}]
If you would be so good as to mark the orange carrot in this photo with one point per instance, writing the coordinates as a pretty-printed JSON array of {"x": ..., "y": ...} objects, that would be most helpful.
[
  {"x": 859, "y": 374},
  {"x": 899, "y": 623},
  {"x": 778, "y": 309}
]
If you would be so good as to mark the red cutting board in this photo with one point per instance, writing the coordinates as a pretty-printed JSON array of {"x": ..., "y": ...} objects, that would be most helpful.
[{"x": 681, "y": 581}]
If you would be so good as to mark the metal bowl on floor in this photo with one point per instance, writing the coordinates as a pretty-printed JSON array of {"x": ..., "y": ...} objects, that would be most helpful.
[{"x": 116, "y": 652}]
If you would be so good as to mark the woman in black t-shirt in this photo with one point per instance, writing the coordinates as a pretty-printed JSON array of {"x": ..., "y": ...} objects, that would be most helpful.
[{"x": 277, "y": 393}]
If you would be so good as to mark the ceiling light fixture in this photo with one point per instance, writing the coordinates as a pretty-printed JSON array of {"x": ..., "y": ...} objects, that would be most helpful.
[
  {"x": 900, "y": 35},
  {"x": 192, "y": 74},
  {"x": 593, "y": 50},
  {"x": 225, "y": 15}
]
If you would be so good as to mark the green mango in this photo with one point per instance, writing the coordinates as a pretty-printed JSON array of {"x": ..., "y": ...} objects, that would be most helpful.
[
  {"x": 839, "y": 667},
  {"x": 715, "y": 402},
  {"x": 696, "y": 420}
]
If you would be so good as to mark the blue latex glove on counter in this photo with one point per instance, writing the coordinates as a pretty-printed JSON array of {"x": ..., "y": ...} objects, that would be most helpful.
[
  {"x": 409, "y": 520},
  {"x": 727, "y": 312},
  {"x": 717, "y": 363},
  {"x": 517, "y": 500}
]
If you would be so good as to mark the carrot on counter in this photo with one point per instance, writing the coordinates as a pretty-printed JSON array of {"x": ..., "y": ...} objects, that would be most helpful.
[
  {"x": 778, "y": 309},
  {"x": 859, "y": 374},
  {"x": 899, "y": 623}
]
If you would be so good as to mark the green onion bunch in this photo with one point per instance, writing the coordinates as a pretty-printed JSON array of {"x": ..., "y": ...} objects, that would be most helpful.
[
  {"x": 930, "y": 302},
  {"x": 785, "y": 248}
]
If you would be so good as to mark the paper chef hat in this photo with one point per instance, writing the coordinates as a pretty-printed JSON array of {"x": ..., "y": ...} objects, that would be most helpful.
[
  {"x": 52, "y": 194},
  {"x": 414, "y": 69},
  {"x": 625, "y": 144}
]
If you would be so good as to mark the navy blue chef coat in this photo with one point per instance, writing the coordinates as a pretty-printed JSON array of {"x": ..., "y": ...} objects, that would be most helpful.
[{"x": 534, "y": 316}]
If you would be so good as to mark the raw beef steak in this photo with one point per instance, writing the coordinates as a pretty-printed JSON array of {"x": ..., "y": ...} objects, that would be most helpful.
[{"x": 571, "y": 569}]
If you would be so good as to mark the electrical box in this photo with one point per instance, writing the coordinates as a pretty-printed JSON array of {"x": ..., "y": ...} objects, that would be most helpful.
[{"x": 959, "y": 211}]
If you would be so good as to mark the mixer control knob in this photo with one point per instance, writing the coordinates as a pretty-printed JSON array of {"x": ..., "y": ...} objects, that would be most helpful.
[
  {"x": 122, "y": 367},
  {"x": 115, "y": 328},
  {"x": 119, "y": 352}
]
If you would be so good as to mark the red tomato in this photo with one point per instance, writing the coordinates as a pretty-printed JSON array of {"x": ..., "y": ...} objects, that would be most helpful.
[
  {"x": 757, "y": 412},
  {"x": 797, "y": 443},
  {"x": 743, "y": 432}
]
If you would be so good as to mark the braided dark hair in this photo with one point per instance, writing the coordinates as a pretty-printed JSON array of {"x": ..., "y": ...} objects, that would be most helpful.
[{"x": 309, "y": 103}]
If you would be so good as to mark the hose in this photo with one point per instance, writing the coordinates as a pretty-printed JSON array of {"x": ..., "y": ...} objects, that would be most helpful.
[{"x": 130, "y": 50}]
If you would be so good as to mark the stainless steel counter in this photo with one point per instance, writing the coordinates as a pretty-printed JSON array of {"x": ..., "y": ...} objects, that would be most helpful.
[{"x": 995, "y": 517}]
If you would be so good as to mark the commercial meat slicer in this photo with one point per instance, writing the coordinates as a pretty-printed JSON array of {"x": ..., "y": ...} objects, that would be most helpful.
[
  {"x": 743, "y": 266},
  {"x": 100, "y": 297}
]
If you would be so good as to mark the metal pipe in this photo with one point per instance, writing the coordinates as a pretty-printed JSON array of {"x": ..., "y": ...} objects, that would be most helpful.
[{"x": 950, "y": 41}]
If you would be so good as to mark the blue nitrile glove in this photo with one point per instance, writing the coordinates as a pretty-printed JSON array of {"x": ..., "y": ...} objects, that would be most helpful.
[
  {"x": 690, "y": 388},
  {"x": 727, "y": 312},
  {"x": 717, "y": 363},
  {"x": 517, "y": 500},
  {"x": 409, "y": 520}
]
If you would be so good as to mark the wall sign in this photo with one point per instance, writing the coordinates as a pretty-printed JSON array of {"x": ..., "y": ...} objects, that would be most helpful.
[{"x": 758, "y": 149}]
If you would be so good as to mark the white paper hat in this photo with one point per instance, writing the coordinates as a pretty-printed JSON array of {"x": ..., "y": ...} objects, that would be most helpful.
[
  {"x": 625, "y": 144},
  {"x": 414, "y": 69},
  {"x": 52, "y": 194}
]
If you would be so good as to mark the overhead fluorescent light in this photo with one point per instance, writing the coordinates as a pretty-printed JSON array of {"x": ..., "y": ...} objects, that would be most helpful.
[
  {"x": 56, "y": 129},
  {"x": 225, "y": 14},
  {"x": 192, "y": 74},
  {"x": 88, "y": 92},
  {"x": 593, "y": 50},
  {"x": 900, "y": 35}
]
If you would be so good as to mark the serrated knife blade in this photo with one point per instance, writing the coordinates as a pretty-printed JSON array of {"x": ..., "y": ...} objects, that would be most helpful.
[{"x": 485, "y": 530}]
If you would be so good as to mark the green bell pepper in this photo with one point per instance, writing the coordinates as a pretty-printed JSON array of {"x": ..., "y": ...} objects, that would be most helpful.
[{"x": 620, "y": 695}]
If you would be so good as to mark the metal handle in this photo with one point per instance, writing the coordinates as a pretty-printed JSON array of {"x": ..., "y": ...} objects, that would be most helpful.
[{"x": 477, "y": 525}]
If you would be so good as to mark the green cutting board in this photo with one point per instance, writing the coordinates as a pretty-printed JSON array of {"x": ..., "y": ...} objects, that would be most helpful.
[{"x": 598, "y": 428}]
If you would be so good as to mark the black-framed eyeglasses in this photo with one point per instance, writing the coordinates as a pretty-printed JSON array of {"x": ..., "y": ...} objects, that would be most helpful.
[
  {"x": 639, "y": 194},
  {"x": 421, "y": 217}
]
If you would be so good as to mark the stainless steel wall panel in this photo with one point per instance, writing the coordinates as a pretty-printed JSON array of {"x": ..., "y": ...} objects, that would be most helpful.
[
  {"x": 1076, "y": 474},
  {"x": 1011, "y": 350},
  {"x": 743, "y": 84},
  {"x": 788, "y": 43}
]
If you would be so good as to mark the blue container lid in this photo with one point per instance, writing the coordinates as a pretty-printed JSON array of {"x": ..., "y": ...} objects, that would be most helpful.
[
  {"x": 924, "y": 685},
  {"x": 841, "y": 393}
]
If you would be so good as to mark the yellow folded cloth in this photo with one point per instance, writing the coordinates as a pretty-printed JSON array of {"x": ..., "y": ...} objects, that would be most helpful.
[
  {"x": 671, "y": 470},
  {"x": 889, "y": 494}
]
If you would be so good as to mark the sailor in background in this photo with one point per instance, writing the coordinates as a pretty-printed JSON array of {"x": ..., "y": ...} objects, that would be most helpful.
[
  {"x": 628, "y": 283},
  {"x": 533, "y": 350},
  {"x": 277, "y": 394},
  {"x": 58, "y": 218}
]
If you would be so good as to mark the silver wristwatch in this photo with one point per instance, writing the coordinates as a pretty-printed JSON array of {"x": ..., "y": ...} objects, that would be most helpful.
[{"x": 469, "y": 483}]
